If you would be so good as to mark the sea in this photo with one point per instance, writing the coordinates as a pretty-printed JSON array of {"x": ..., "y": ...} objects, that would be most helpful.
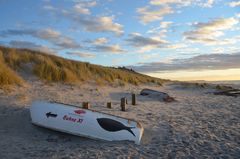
[{"x": 234, "y": 84}]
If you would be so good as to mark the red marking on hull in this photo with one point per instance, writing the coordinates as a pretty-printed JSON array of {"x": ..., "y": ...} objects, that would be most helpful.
[{"x": 79, "y": 111}]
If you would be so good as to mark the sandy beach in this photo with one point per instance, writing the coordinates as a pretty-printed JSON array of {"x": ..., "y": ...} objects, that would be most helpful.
[{"x": 198, "y": 125}]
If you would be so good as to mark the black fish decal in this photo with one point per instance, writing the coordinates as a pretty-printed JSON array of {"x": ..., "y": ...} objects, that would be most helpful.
[
  {"x": 49, "y": 114},
  {"x": 113, "y": 125}
]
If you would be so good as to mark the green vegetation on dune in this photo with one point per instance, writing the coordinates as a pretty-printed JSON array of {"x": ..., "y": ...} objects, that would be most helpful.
[{"x": 56, "y": 69}]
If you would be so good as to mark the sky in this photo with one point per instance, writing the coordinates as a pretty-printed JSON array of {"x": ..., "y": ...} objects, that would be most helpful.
[{"x": 173, "y": 39}]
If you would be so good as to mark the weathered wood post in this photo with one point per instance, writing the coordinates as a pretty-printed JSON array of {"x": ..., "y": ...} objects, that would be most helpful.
[
  {"x": 109, "y": 105},
  {"x": 123, "y": 104},
  {"x": 86, "y": 105},
  {"x": 134, "y": 99}
]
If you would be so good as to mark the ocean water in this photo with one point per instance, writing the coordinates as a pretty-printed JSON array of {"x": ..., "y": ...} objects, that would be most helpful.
[{"x": 235, "y": 84}]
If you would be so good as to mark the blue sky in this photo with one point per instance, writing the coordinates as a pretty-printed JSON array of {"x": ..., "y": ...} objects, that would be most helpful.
[{"x": 147, "y": 35}]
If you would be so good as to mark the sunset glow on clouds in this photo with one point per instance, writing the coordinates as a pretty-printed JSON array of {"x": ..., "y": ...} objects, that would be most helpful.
[{"x": 163, "y": 38}]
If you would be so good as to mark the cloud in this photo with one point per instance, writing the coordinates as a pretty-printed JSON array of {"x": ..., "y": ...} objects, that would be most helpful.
[
  {"x": 150, "y": 56},
  {"x": 157, "y": 9},
  {"x": 145, "y": 43},
  {"x": 83, "y": 7},
  {"x": 161, "y": 33},
  {"x": 81, "y": 54},
  {"x": 169, "y": 2},
  {"x": 165, "y": 24},
  {"x": 218, "y": 50},
  {"x": 209, "y": 3},
  {"x": 56, "y": 38},
  {"x": 13, "y": 32},
  {"x": 79, "y": 9},
  {"x": 208, "y": 33},
  {"x": 182, "y": 3},
  {"x": 137, "y": 40},
  {"x": 50, "y": 35},
  {"x": 163, "y": 2},
  {"x": 46, "y": 34},
  {"x": 109, "y": 48},
  {"x": 80, "y": 14},
  {"x": 161, "y": 30},
  {"x": 196, "y": 63},
  {"x": 32, "y": 46},
  {"x": 99, "y": 24},
  {"x": 49, "y": 8},
  {"x": 176, "y": 46},
  {"x": 100, "y": 41},
  {"x": 148, "y": 14},
  {"x": 234, "y": 4}
]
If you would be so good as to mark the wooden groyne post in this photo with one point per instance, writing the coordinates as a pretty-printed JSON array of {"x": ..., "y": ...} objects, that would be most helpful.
[
  {"x": 109, "y": 105},
  {"x": 123, "y": 104},
  {"x": 134, "y": 99},
  {"x": 86, "y": 105}
]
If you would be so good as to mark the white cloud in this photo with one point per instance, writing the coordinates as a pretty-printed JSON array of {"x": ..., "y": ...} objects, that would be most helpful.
[
  {"x": 164, "y": 2},
  {"x": 161, "y": 30},
  {"x": 48, "y": 34},
  {"x": 80, "y": 9},
  {"x": 83, "y": 7},
  {"x": 176, "y": 46},
  {"x": 100, "y": 41},
  {"x": 57, "y": 38},
  {"x": 234, "y": 4},
  {"x": 149, "y": 56},
  {"x": 32, "y": 46},
  {"x": 209, "y": 33},
  {"x": 200, "y": 62},
  {"x": 183, "y": 3},
  {"x": 81, "y": 15},
  {"x": 109, "y": 48},
  {"x": 147, "y": 14},
  {"x": 171, "y": 2},
  {"x": 145, "y": 44},
  {"x": 209, "y": 3},
  {"x": 49, "y": 7},
  {"x": 82, "y": 54},
  {"x": 137, "y": 40},
  {"x": 99, "y": 24},
  {"x": 218, "y": 50},
  {"x": 165, "y": 24},
  {"x": 158, "y": 32}
]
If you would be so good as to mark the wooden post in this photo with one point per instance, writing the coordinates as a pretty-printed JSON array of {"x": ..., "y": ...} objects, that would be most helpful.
[
  {"x": 123, "y": 104},
  {"x": 133, "y": 99},
  {"x": 86, "y": 105},
  {"x": 109, "y": 105}
]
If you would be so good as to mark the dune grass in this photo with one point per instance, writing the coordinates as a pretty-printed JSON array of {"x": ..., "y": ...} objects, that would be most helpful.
[
  {"x": 52, "y": 68},
  {"x": 7, "y": 75}
]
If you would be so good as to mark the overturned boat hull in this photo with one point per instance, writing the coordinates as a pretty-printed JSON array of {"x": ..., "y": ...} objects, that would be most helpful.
[{"x": 84, "y": 122}]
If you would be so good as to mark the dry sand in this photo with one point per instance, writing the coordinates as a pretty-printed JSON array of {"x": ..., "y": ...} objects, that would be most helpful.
[{"x": 197, "y": 125}]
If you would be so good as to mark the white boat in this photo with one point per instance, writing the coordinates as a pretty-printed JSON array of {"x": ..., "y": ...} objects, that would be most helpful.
[{"x": 84, "y": 122}]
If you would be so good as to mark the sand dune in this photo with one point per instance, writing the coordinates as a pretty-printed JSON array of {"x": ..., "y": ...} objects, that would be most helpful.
[{"x": 197, "y": 125}]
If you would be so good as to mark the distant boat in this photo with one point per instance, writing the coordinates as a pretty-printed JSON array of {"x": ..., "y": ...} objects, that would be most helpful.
[{"x": 84, "y": 122}]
